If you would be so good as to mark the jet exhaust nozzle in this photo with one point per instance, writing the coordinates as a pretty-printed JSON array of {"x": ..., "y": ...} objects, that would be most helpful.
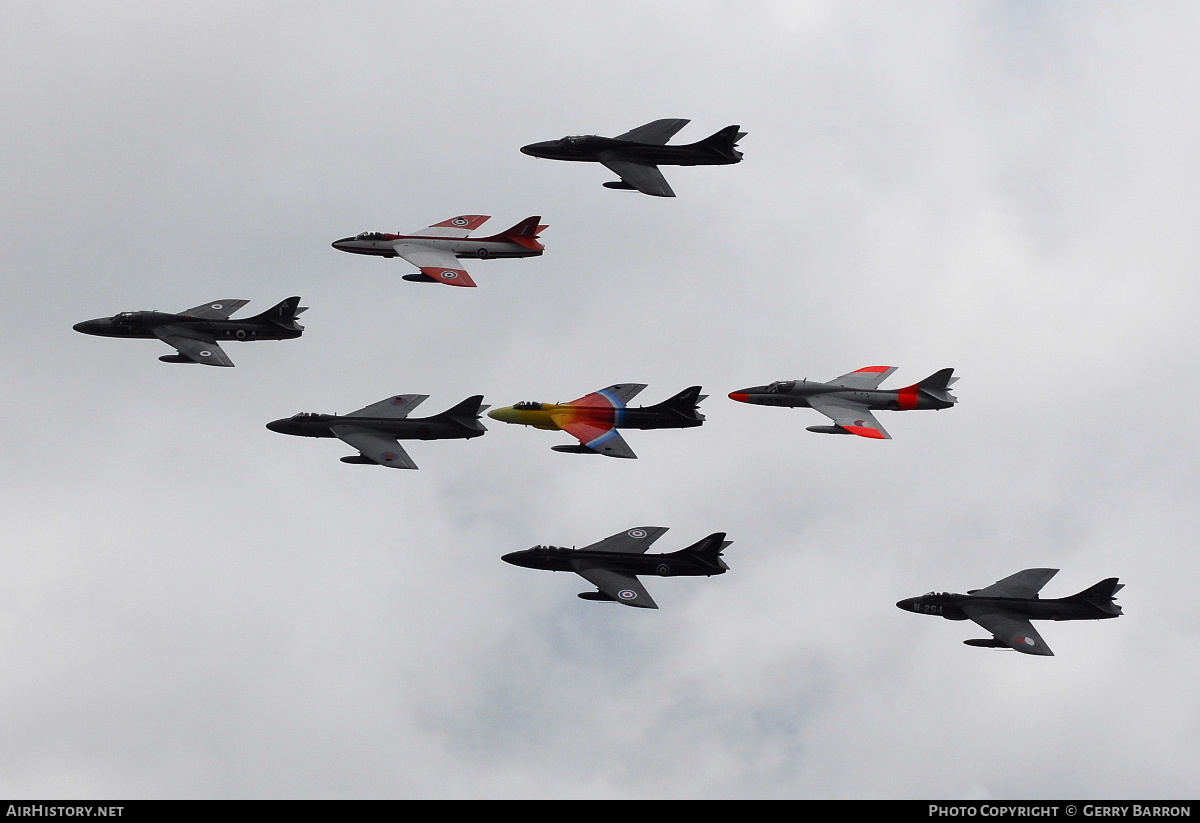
[
  {"x": 828, "y": 430},
  {"x": 990, "y": 643}
]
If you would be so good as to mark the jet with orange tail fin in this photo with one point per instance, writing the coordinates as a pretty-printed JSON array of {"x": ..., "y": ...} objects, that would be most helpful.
[
  {"x": 593, "y": 419},
  {"x": 849, "y": 400},
  {"x": 436, "y": 250}
]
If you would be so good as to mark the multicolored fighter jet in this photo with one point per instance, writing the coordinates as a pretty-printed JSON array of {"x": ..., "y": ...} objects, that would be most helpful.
[
  {"x": 614, "y": 563},
  {"x": 194, "y": 333},
  {"x": 1006, "y": 607},
  {"x": 636, "y": 155},
  {"x": 849, "y": 399},
  {"x": 374, "y": 429},
  {"x": 594, "y": 418},
  {"x": 435, "y": 250}
]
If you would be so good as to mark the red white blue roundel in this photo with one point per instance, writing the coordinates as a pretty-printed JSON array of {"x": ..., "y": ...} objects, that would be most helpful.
[
  {"x": 398, "y": 400},
  {"x": 637, "y": 534},
  {"x": 627, "y": 594},
  {"x": 217, "y": 306},
  {"x": 663, "y": 569},
  {"x": 390, "y": 456},
  {"x": 1022, "y": 640},
  {"x": 460, "y": 221},
  {"x": 206, "y": 353},
  {"x": 449, "y": 275}
]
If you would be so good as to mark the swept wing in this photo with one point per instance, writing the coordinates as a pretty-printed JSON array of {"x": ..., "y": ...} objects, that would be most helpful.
[
  {"x": 853, "y": 417},
  {"x": 620, "y": 586},
  {"x": 1012, "y": 630},
  {"x": 459, "y": 226},
  {"x": 373, "y": 445},
  {"x": 216, "y": 310},
  {"x": 1024, "y": 584},
  {"x": 597, "y": 436},
  {"x": 202, "y": 348},
  {"x": 656, "y": 133},
  {"x": 632, "y": 541},
  {"x": 437, "y": 264},
  {"x": 645, "y": 178},
  {"x": 617, "y": 396},
  {"x": 396, "y": 408},
  {"x": 864, "y": 378}
]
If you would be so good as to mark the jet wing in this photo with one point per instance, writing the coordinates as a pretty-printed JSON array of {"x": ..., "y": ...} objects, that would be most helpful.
[
  {"x": 397, "y": 408},
  {"x": 216, "y": 310},
  {"x": 1011, "y": 630},
  {"x": 617, "y": 396},
  {"x": 201, "y": 348},
  {"x": 656, "y": 133},
  {"x": 633, "y": 541},
  {"x": 439, "y": 265},
  {"x": 865, "y": 378},
  {"x": 620, "y": 586},
  {"x": 853, "y": 417},
  {"x": 372, "y": 445},
  {"x": 596, "y": 436},
  {"x": 645, "y": 178},
  {"x": 459, "y": 226},
  {"x": 1025, "y": 584}
]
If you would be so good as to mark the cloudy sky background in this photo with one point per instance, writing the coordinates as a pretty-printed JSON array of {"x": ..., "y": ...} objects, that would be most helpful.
[{"x": 192, "y": 606}]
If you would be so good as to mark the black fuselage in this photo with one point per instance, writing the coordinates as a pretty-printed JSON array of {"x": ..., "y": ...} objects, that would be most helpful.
[
  {"x": 420, "y": 428},
  {"x": 683, "y": 563},
  {"x": 947, "y": 605},
  {"x": 141, "y": 324},
  {"x": 588, "y": 148}
]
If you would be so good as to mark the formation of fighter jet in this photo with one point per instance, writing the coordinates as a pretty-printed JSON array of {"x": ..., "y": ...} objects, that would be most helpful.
[
  {"x": 435, "y": 250},
  {"x": 1006, "y": 607},
  {"x": 636, "y": 155},
  {"x": 374, "y": 430},
  {"x": 194, "y": 333},
  {"x": 594, "y": 418},
  {"x": 848, "y": 400},
  {"x": 613, "y": 564}
]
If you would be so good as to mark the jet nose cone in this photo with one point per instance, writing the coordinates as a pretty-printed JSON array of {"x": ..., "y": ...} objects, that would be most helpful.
[
  {"x": 742, "y": 396},
  {"x": 504, "y": 415},
  {"x": 340, "y": 245},
  {"x": 87, "y": 326},
  {"x": 516, "y": 559},
  {"x": 537, "y": 149},
  {"x": 906, "y": 604},
  {"x": 278, "y": 426}
]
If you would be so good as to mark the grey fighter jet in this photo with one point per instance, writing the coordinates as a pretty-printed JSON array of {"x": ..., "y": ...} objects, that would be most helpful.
[
  {"x": 374, "y": 429},
  {"x": 194, "y": 333},
  {"x": 614, "y": 563},
  {"x": 636, "y": 155},
  {"x": 1006, "y": 607},
  {"x": 849, "y": 399}
]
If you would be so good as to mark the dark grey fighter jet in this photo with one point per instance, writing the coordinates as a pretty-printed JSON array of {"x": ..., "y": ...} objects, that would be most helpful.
[
  {"x": 849, "y": 399},
  {"x": 614, "y": 563},
  {"x": 374, "y": 429},
  {"x": 636, "y": 155},
  {"x": 194, "y": 333},
  {"x": 1006, "y": 607}
]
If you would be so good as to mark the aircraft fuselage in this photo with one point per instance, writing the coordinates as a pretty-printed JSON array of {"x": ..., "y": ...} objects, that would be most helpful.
[
  {"x": 588, "y": 148},
  {"x": 795, "y": 394},
  {"x": 947, "y": 605},
  {"x": 141, "y": 324},
  {"x": 543, "y": 416},
  {"x": 683, "y": 563},
  {"x": 383, "y": 244},
  {"x": 421, "y": 428}
]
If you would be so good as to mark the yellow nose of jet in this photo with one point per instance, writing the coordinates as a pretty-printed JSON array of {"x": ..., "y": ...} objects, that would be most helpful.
[{"x": 505, "y": 415}]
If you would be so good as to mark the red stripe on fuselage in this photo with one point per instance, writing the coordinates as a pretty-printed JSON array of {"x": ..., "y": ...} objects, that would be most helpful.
[{"x": 908, "y": 397}]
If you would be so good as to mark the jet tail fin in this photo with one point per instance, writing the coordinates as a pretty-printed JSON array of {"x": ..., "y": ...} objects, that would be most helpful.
[
  {"x": 724, "y": 143},
  {"x": 1101, "y": 596},
  {"x": 284, "y": 314},
  {"x": 466, "y": 413},
  {"x": 685, "y": 402},
  {"x": 708, "y": 551},
  {"x": 524, "y": 233},
  {"x": 937, "y": 386}
]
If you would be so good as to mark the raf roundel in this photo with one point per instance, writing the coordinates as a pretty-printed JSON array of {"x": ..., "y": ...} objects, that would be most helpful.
[
  {"x": 449, "y": 275},
  {"x": 460, "y": 221},
  {"x": 398, "y": 401},
  {"x": 637, "y": 533},
  {"x": 217, "y": 306},
  {"x": 389, "y": 456},
  {"x": 206, "y": 353},
  {"x": 626, "y": 594},
  {"x": 662, "y": 570},
  {"x": 1025, "y": 641}
]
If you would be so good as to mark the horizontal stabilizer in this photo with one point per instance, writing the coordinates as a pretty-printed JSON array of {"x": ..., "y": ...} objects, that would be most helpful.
[
  {"x": 466, "y": 413},
  {"x": 283, "y": 314},
  {"x": 1101, "y": 596},
  {"x": 937, "y": 384}
]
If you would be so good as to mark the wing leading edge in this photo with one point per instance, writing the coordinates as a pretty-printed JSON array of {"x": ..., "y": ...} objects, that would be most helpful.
[{"x": 645, "y": 178}]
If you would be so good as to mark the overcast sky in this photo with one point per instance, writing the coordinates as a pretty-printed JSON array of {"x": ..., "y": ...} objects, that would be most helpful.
[{"x": 193, "y": 606}]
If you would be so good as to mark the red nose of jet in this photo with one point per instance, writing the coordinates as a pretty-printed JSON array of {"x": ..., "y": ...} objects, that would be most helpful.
[{"x": 739, "y": 396}]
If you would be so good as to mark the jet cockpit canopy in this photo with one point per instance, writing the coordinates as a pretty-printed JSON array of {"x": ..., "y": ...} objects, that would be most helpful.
[
  {"x": 781, "y": 386},
  {"x": 528, "y": 405},
  {"x": 372, "y": 235}
]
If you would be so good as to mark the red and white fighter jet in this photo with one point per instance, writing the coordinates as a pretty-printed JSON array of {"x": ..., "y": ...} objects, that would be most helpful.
[{"x": 435, "y": 250}]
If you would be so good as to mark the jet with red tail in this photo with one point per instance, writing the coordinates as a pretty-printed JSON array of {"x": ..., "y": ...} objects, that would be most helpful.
[
  {"x": 849, "y": 400},
  {"x": 436, "y": 250}
]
